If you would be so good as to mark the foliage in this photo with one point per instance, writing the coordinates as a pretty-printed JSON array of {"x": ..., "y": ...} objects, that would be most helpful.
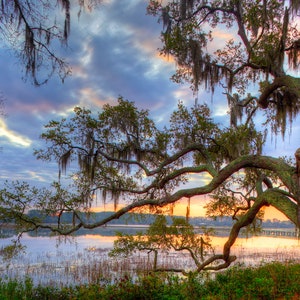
[
  {"x": 119, "y": 152},
  {"x": 258, "y": 38},
  {"x": 161, "y": 237},
  {"x": 17, "y": 289},
  {"x": 271, "y": 281},
  {"x": 33, "y": 29},
  {"x": 12, "y": 250}
]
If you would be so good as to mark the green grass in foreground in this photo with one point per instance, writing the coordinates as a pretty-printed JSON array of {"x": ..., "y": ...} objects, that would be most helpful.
[{"x": 271, "y": 281}]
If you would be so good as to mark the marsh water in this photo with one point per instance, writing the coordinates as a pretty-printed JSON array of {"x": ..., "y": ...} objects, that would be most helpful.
[{"x": 84, "y": 257}]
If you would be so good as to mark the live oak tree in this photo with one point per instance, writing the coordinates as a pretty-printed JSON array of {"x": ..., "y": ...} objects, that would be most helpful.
[
  {"x": 249, "y": 48},
  {"x": 122, "y": 154}
]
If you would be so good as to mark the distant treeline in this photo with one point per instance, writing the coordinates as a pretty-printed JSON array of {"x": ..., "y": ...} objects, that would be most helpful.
[{"x": 145, "y": 219}]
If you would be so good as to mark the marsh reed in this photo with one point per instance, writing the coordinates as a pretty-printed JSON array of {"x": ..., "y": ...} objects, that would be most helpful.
[{"x": 93, "y": 265}]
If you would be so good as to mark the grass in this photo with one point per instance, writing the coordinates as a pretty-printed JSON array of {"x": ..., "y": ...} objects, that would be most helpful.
[{"x": 270, "y": 281}]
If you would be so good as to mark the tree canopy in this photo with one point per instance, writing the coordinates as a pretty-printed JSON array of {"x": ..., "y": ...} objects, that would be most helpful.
[
  {"x": 120, "y": 153},
  {"x": 248, "y": 48}
]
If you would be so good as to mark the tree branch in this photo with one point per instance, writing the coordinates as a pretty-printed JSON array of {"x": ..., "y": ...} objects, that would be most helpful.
[
  {"x": 289, "y": 82},
  {"x": 278, "y": 166}
]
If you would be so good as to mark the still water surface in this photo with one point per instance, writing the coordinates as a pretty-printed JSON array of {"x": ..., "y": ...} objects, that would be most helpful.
[{"x": 85, "y": 258}]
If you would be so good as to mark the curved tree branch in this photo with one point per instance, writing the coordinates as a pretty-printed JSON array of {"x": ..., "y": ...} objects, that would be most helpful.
[
  {"x": 289, "y": 82},
  {"x": 283, "y": 170}
]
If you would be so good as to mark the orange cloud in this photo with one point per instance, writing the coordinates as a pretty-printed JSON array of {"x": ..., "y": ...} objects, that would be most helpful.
[
  {"x": 166, "y": 58},
  {"x": 34, "y": 108},
  {"x": 91, "y": 96}
]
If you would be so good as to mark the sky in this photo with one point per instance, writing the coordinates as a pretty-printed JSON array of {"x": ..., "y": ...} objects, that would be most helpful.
[{"x": 113, "y": 52}]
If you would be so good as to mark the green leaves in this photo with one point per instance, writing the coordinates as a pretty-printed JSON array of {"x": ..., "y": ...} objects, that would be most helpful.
[
  {"x": 121, "y": 152},
  {"x": 241, "y": 140},
  {"x": 256, "y": 39},
  {"x": 160, "y": 236}
]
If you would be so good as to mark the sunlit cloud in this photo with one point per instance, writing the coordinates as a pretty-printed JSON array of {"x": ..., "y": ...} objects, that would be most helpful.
[
  {"x": 91, "y": 97},
  {"x": 220, "y": 110},
  {"x": 33, "y": 108},
  {"x": 223, "y": 34},
  {"x": 184, "y": 94},
  {"x": 200, "y": 179},
  {"x": 155, "y": 69},
  {"x": 14, "y": 137},
  {"x": 79, "y": 72},
  {"x": 35, "y": 176},
  {"x": 220, "y": 37},
  {"x": 167, "y": 58},
  {"x": 86, "y": 56},
  {"x": 64, "y": 113}
]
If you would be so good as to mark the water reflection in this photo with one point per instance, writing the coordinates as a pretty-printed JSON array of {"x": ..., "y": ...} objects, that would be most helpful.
[{"x": 84, "y": 257}]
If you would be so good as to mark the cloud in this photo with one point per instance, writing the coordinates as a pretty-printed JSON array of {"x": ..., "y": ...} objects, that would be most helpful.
[
  {"x": 220, "y": 36},
  {"x": 223, "y": 34},
  {"x": 120, "y": 54},
  {"x": 13, "y": 137},
  {"x": 36, "y": 176},
  {"x": 196, "y": 180},
  {"x": 91, "y": 97},
  {"x": 112, "y": 52},
  {"x": 220, "y": 110}
]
